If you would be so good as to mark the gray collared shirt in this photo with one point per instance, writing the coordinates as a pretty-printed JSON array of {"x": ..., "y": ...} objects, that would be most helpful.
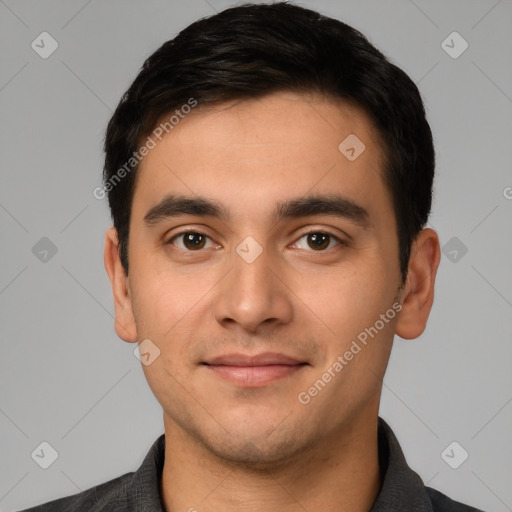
[{"x": 402, "y": 490}]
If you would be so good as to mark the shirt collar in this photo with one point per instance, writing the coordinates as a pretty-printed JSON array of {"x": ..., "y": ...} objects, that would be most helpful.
[
  {"x": 144, "y": 490},
  {"x": 401, "y": 488}
]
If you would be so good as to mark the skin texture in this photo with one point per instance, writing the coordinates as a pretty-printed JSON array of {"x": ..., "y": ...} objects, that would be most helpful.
[{"x": 230, "y": 447}]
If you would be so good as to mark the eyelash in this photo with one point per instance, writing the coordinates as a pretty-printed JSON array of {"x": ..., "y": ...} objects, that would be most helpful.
[{"x": 312, "y": 232}]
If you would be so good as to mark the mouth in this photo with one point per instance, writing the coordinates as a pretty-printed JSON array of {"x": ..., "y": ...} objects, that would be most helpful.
[{"x": 254, "y": 371}]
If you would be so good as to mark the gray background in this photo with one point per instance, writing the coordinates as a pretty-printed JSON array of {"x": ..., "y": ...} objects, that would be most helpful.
[{"x": 65, "y": 376}]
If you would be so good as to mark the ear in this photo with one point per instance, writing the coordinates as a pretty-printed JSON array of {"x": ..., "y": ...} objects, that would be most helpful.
[
  {"x": 124, "y": 319},
  {"x": 418, "y": 293}
]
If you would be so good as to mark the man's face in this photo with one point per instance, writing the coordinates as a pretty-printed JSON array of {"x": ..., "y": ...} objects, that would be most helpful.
[{"x": 254, "y": 283}]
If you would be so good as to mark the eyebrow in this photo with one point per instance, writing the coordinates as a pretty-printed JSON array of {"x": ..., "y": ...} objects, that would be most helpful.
[{"x": 331, "y": 204}]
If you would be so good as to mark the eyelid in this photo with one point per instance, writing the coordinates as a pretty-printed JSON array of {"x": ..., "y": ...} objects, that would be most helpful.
[
  {"x": 324, "y": 231},
  {"x": 169, "y": 241},
  {"x": 310, "y": 231}
]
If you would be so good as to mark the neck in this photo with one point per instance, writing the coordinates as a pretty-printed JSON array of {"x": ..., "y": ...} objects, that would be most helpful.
[{"x": 341, "y": 474}]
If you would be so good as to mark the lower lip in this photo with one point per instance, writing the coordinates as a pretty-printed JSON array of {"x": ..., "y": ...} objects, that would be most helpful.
[{"x": 254, "y": 376}]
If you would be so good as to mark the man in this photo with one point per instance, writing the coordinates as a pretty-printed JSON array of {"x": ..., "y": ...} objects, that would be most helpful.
[{"x": 269, "y": 174}]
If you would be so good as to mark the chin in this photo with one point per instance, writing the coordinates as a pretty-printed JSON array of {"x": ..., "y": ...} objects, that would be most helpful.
[
  {"x": 258, "y": 446},
  {"x": 258, "y": 454}
]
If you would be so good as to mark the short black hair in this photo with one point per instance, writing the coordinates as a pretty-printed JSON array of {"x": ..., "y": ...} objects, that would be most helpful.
[{"x": 252, "y": 50}]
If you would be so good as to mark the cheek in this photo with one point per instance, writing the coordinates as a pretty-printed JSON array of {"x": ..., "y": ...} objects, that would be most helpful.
[
  {"x": 352, "y": 328},
  {"x": 163, "y": 310},
  {"x": 158, "y": 304},
  {"x": 355, "y": 339},
  {"x": 171, "y": 309},
  {"x": 350, "y": 298}
]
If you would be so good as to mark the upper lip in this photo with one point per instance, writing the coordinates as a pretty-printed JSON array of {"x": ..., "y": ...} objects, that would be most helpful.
[{"x": 264, "y": 359}]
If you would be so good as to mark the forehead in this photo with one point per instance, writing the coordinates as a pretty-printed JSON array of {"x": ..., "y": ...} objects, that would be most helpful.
[{"x": 266, "y": 150}]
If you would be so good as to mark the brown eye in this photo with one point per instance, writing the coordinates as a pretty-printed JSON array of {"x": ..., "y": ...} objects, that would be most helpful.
[
  {"x": 318, "y": 241},
  {"x": 190, "y": 240},
  {"x": 194, "y": 241}
]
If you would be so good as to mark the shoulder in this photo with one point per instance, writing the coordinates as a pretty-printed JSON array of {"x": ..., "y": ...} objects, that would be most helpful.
[
  {"x": 110, "y": 496},
  {"x": 441, "y": 503},
  {"x": 122, "y": 494}
]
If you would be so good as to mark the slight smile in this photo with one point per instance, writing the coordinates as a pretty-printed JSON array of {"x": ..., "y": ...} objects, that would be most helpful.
[{"x": 254, "y": 371}]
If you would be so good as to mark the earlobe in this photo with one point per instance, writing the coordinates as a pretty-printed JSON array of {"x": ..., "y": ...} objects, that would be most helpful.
[
  {"x": 418, "y": 292},
  {"x": 124, "y": 319}
]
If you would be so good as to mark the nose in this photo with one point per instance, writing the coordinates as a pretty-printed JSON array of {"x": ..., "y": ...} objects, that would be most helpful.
[{"x": 253, "y": 295}]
